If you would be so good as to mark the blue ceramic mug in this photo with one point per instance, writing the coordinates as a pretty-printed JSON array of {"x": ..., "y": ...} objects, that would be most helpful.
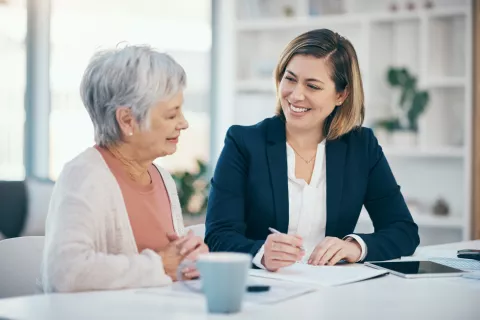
[{"x": 224, "y": 279}]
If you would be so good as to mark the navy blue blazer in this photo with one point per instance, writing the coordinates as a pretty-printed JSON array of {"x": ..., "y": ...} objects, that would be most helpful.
[{"x": 249, "y": 192}]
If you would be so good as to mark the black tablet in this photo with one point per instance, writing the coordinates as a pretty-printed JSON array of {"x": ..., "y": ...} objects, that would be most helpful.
[{"x": 416, "y": 269}]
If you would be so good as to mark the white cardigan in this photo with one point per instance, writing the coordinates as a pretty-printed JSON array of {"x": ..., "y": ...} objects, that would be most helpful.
[{"x": 89, "y": 243}]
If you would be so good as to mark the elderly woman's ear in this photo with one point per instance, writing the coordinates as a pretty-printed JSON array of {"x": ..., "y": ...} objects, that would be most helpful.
[{"x": 126, "y": 121}]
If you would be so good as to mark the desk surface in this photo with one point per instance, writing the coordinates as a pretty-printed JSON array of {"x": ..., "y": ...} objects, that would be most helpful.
[{"x": 388, "y": 297}]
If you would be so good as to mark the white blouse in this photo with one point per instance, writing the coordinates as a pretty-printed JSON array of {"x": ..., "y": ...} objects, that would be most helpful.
[{"x": 308, "y": 205}]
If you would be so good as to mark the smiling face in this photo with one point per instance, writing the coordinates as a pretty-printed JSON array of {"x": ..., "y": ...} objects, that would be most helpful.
[
  {"x": 161, "y": 137},
  {"x": 166, "y": 123},
  {"x": 307, "y": 92}
]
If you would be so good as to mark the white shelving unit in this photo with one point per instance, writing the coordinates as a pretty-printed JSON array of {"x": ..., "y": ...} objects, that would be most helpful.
[
  {"x": 435, "y": 44},
  {"x": 424, "y": 219},
  {"x": 445, "y": 82},
  {"x": 442, "y": 152}
]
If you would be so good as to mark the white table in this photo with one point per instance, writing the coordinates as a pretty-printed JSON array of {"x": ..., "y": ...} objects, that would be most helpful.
[{"x": 388, "y": 297}]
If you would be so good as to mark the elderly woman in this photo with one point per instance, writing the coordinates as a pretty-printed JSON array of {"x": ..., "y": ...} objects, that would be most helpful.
[{"x": 115, "y": 220}]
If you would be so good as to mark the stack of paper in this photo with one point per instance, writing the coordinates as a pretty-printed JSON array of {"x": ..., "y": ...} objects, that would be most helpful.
[
  {"x": 321, "y": 275},
  {"x": 425, "y": 253},
  {"x": 279, "y": 291}
]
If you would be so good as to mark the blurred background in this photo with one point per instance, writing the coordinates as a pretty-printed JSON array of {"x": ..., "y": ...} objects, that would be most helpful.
[{"x": 416, "y": 59}]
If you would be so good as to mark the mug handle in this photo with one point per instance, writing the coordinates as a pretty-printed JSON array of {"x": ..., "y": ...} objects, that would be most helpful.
[{"x": 183, "y": 265}]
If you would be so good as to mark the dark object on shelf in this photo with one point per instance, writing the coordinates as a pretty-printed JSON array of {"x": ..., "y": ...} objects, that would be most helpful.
[
  {"x": 393, "y": 6},
  {"x": 288, "y": 11},
  {"x": 411, "y": 6},
  {"x": 441, "y": 207},
  {"x": 428, "y": 4}
]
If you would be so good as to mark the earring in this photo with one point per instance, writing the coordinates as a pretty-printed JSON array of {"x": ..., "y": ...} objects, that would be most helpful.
[{"x": 130, "y": 134}]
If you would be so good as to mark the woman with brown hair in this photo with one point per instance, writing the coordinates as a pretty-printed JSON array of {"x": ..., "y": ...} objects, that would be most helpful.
[{"x": 308, "y": 170}]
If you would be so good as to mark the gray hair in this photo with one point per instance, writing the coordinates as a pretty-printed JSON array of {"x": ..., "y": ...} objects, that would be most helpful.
[{"x": 137, "y": 77}]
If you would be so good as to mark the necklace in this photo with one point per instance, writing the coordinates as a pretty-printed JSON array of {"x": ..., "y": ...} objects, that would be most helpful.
[
  {"x": 134, "y": 170},
  {"x": 306, "y": 161}
]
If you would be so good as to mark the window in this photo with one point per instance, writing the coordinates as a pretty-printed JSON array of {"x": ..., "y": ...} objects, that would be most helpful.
[
  {"x": 13, "y": 22},
  {"x": 81, "y": 27}
]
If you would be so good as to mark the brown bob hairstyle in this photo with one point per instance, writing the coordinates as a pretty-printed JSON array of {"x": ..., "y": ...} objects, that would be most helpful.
[{"x": 344, "y": 72}]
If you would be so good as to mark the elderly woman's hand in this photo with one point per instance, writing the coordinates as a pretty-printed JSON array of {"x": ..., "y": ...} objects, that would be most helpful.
[
  {"x": 189, "y": 247},
  {"x": 192, "y": 245},
  {"x": 171, "y": 258}
]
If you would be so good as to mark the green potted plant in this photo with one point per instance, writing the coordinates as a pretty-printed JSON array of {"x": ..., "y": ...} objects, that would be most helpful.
[
  {"x": 193, "y": 188},
  {"x": 412, "y": 102}
]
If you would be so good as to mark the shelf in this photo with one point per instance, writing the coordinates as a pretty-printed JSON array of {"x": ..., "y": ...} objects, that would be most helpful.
[
  {"x": 388, "y": 17},
  {"x": 445, "y": 82},
  {"x": 425, "y": 220},
  {"x": 440, "y": 152},
  {"x": 446, "y": 12},
  {"x": 405, "y": 15},
  {"x": 314, "y": 22},
  {"x": 291, "y": 23}
]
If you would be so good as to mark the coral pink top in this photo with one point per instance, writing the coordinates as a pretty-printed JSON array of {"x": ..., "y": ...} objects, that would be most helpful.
[{"x": 148, "y": 207}]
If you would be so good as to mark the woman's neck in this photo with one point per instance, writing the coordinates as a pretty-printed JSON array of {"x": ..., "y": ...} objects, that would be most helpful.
[
  {"x": 136, "y": 167},
  {"x": 303, "y": 139}
]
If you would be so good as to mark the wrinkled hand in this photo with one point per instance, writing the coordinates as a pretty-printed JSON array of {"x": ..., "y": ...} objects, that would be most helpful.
[
  {"x": 331, "y": 250},
  {"x": 190, "y": 247},
  {"x": 282, "y": 250},
  {"x": 171, "y": 258}
]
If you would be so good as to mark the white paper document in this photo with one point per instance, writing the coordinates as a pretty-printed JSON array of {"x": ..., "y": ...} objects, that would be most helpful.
[
  {"x": 326, "y": 276},
  {"x": 279, "y": 291}
]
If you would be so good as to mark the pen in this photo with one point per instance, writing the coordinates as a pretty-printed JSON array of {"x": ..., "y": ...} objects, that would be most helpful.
[{"x": 272, "y": 230}]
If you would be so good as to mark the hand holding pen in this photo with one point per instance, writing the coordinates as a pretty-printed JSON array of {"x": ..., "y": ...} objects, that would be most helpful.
[{"x": 282, "y": 250}]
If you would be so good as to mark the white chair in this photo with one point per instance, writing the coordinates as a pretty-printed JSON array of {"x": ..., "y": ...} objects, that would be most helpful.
[
  {"x": 198, "y": 229},
  {"x": 20, "y": 263}
]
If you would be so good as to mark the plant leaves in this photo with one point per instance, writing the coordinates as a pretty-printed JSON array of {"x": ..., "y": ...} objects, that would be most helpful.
[
  {"x": 419, "y": 104},
  {"x": 393, "y": 77},
  {"x": 411, "y": 101},
  {"x": 388, "y": 124},
  {"x": 191, "y": 185}
]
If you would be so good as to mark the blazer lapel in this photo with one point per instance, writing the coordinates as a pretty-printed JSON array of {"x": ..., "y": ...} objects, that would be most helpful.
[
  {"x": 335, "y": 155},
  {"x": 277, "y": 164}
]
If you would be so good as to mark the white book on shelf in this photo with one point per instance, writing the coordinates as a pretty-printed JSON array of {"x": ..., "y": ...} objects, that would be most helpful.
[{"x": 251, "y": 8}]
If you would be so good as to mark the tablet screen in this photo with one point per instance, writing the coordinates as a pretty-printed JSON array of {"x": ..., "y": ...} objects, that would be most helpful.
[{"x": 416, "y": 267}]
